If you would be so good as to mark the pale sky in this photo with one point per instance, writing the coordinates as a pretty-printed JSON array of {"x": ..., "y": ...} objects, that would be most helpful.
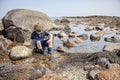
[{"x": 58, "y": 8}]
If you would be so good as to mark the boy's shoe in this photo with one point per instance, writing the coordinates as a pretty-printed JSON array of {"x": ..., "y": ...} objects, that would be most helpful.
[
  {"x": 49, "y": 50},
  {"x": 42, "y": 51},
  {"x": 35, "y": 50}
]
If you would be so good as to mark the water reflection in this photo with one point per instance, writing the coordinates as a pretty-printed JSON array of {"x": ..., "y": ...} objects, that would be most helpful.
[{"x": 89, "y": 43}]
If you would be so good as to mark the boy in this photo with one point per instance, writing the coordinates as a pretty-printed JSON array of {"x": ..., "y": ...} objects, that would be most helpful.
[{"x": 38, "y": 39}]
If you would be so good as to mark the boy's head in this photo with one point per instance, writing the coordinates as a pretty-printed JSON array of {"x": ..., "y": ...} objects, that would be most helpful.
[{"x": 38, "y": 27}]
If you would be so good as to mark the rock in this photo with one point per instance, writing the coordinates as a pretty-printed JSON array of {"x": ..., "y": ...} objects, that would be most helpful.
[
  {"x": 25, "y": 18},
  {"x": 118, "y": 53},
  {"x": 111, "y": 48},
  {"x": 51, "y": 77},
  {"x": 98, "y": 28},
  {"x": 59, "y": 49},
  {"x": 62, "y": 34},
  {"x": 72, "y": 35},
  {"x": 20, "y": 52},
  {"x": 113, "y": 39},
  {"x": 78, "y": 40},
  {"x": 68, "y": 43},
  {"x": 113, "y": 65},
  {"x": 109, "y": 74},
  {"x": 88, "y": 67},
  {"x": 14, "y": 34},
  {"x": 89, "y": 28},
  {"x": 103, "y": 62},
  {"x": 11, "y": 71},
  {"x": 1, "y": 25},
  {"x": 57, "y": 21},
  {"x": 83, "y": 36},
  {"x": 39, "y": 72},
  {"x": 97, "y": 36},
  {"x": 94, "y": 37},
  {"x": 64, "y": 21},
  {"x": 4, "y": 43},
  {"x": 92, "y": 73},
  {"x": 67, "y": 29},
  {"x": 107, "y": 30}
]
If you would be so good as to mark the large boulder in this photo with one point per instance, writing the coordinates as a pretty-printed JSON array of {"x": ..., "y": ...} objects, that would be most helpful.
[
  {"x": 1, "y": 26},
  {"x": 25, "y": 19},
  {"x": 20, "y": 52}
]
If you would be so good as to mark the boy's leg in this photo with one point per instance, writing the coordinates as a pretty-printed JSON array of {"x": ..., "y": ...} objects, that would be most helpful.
[
  {"x": 50, "y": 47},
  {"x": 39, "y": 46}
]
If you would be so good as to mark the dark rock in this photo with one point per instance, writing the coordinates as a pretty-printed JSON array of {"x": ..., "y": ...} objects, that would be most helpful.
[
  {"x": 94, "y": 37},
  {"x": 59, "y": 49},
  {"x": 99, "y": 28},
  {"x": 65, "y": 21},
  {"x": 68, "y": 43},
  {"x": 97, "y": 36},
  {"x": 15, "y": 34},
  {"x": 118, "y": 53},
  {"x": 103, "y": 62}
]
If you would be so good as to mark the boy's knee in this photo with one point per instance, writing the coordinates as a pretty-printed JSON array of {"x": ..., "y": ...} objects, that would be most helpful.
[{"x": 38, "y": 42}]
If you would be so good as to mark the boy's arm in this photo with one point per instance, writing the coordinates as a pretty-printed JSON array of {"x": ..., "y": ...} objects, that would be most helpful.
[{"x": 51, "y": 37}]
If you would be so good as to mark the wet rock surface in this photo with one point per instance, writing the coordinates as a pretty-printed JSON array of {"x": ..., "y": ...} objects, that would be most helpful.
[{"x": 85, "y": 60}]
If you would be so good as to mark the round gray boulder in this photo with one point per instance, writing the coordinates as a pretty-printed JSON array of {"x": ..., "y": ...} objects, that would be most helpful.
[
  {"x": 25, "y": 19},
  {"x": 20, "y": 52}
]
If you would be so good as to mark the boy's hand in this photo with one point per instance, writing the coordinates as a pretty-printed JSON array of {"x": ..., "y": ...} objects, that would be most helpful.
[{"x": 49, "y": 41}]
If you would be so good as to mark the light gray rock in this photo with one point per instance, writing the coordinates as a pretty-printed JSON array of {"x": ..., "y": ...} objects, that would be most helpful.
[
  {"x": 92, "y": 73},
  {"x": 25, "y": 19},
  {"x": 113, "y": 39},
  {"x": 20, "y": 52},
  {"x": 83, "y": 36},
  {"x": 113, "y": 65},
  {"x": 111, "y": 48}
]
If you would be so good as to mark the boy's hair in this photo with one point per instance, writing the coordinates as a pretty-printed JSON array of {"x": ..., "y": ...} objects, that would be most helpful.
[{"x": 38, "y": 27}]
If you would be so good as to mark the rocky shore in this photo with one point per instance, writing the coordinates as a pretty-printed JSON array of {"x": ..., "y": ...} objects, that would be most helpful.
[{"x": 84, "y": 48}]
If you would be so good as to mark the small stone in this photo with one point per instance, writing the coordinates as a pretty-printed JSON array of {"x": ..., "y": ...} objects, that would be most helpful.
[{"x": 59, "y": 49}]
